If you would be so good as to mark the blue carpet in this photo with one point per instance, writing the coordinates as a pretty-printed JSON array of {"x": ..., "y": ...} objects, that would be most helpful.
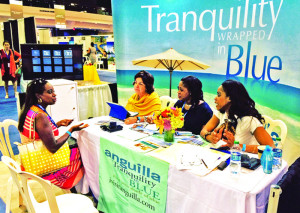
[
  {"x": 107, "y": 76},
  {"x": 8, "y": 110}
]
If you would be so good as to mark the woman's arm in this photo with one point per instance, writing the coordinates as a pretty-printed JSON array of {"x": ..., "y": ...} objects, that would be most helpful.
[
  {"x": 44, "y": 130},
  {"x": 210, "y": 126},
  {"x": 18, "y": 55},
  {"x": 262, "y": 137}
]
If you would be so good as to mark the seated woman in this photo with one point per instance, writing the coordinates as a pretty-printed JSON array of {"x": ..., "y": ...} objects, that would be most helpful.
[
  {"x": 234, "y": 104},
  {"x": 39, "y": 95},
  {"x": 196, "y": 111},
  {"x": 145, "y": 101}
]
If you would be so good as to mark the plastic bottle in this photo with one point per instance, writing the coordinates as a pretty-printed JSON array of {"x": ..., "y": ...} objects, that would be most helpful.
[
  {"x": 277, "y": 154},
  {"x": 235, "y": 159},
  {"x": 267, "y": 160}
]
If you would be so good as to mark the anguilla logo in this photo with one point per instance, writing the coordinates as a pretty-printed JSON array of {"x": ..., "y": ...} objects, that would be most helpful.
[{"x": 138, "y": 168}]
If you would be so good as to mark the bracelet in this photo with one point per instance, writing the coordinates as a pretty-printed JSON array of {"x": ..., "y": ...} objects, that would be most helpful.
[
  {"x": 69, "y": 133},
  {"x": 244, "y": 148},
  {"x": 206, "y": 134}
]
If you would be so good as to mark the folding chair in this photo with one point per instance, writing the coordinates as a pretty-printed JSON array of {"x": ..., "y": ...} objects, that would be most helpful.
[{"x": 61, "y": 203}]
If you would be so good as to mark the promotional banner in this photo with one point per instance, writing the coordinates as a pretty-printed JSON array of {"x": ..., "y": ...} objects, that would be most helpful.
[
  {"x": 253, "y": 41},
  {"x": 16, "y": 9},
  {"x": 130, "y": 181},
  {"x": 60, "y": 18}
]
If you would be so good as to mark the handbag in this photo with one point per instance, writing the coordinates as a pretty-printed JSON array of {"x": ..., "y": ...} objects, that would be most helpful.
[
  {"x": 37, "y": 159},
  {"x": 18, "y": 71}
]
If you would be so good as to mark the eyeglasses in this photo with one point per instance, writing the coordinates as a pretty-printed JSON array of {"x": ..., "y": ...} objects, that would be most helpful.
[{"x": 136, "y": 83}]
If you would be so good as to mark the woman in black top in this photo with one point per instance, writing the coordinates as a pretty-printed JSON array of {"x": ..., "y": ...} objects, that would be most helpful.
[{"x": 196, "y": 111}]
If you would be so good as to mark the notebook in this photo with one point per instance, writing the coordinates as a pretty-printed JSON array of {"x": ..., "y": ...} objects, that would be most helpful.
[{"x": 119, "y": 112}]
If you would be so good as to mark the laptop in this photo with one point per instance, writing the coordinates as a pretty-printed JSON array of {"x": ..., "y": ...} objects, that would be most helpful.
[{"x": 119, "y": 112}]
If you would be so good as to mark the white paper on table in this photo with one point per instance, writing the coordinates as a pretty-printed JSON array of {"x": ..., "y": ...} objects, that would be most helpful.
[
  {"x": 191, "y": 156},
  {"x": 131, "y": 134},
  {"x": 219, "y": 144},
  {"x": 167, "y": 154},
  {"x": 211, "y": 157},
  {"x": 151, "y": 127}
]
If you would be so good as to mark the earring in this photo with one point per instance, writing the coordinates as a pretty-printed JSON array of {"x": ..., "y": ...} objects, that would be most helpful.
[{"x": 40, "y": 101}]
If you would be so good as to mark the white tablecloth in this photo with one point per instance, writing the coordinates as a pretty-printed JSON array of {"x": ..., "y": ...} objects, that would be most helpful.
[
  {"x": 92, "y": 101},
  {"x": 187, "y": 192}
]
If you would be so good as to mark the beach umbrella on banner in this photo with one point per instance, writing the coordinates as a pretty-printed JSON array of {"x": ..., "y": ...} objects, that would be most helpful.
[{"x": 170, "y": 60}]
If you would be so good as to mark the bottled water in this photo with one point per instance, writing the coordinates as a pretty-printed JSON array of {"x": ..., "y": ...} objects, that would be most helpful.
[
  {"x": 267, "y": 160},
  {"x": 277, "y": 154},
  {"x": 235, "y": 159}
]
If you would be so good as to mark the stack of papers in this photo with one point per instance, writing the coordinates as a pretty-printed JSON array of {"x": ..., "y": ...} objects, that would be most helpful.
[
  {"x": 144, "y": 128},
  {"x": 150, "y": 143},
  {"x": 198, "y": 159},
  {"x": 131, "y": 135},
  {"x": 195, "y": 140}
]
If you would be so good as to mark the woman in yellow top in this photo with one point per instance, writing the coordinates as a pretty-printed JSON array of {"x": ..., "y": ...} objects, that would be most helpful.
[{"x": 145, "y": 101}]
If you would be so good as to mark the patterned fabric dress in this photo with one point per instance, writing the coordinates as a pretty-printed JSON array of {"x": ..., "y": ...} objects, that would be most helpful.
[
  {"x": 8, "y": 71},
  {"x": 68, "y": 176}
]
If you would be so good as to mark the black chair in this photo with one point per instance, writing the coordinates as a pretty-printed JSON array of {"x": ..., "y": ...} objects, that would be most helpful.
[{"x": 289, "y": 187}]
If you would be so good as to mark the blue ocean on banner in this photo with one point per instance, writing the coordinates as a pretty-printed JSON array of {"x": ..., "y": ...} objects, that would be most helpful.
[{"x": 262, "y": 92}]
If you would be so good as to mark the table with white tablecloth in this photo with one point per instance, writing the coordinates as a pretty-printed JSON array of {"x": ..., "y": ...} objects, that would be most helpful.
[
  {"x": 92, "y": 101},
  {"x": 187, "y": 192}
]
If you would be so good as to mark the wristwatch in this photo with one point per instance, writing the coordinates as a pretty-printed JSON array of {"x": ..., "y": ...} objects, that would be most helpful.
[{"x": 206, "y": 134}]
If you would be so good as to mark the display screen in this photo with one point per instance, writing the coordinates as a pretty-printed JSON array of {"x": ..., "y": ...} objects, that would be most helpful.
[{"x": 51, "y": 61}]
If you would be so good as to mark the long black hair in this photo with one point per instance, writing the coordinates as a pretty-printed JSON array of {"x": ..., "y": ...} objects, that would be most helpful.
[
  {"x": 241, "y": 103},
  {"x": 148, "y": 80},
  {"x": 194, "y": 86},
  {"x": 36, "y": 86}
]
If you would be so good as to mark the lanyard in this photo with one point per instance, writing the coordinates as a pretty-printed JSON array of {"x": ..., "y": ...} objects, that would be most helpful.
[
  {"x": 182, "y": 110},
  {"x": 7, "y": 55},
  {"x": 42, "y": 108}
]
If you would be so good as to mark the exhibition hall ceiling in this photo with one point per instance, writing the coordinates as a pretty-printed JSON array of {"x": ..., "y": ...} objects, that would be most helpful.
[{"x": 45, "y": 17}]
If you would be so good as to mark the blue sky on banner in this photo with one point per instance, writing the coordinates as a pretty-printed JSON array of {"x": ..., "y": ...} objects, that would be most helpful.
[{"x": 238, "y": 38}]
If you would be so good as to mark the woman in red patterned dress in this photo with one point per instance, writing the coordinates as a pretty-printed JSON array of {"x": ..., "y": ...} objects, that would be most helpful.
[
  {"x": 8, "y": 66},
  {"x": 39, "y": 95}
]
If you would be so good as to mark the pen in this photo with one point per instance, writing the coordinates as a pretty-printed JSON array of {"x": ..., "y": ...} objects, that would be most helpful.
[{"x": 204, "y": 163}]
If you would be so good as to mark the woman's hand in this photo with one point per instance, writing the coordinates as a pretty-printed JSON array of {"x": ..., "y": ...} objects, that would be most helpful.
[
  {"x": 150, "y": 119},
  {"x": 229, "y": 138},
  {"x": 78, "y": 127},
  {"x": 217, "y": 135},
  {"x": 130, "y": 120},
  {"x": 65, "y": 122}
]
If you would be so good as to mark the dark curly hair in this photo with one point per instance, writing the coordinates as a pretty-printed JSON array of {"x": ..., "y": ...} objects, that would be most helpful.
[
  {"x": 148, "y": 80},
  {"x": 241, "y": 103},
  {"x": 194, "y": 86},
  {"x": 36, "y": 86}
]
